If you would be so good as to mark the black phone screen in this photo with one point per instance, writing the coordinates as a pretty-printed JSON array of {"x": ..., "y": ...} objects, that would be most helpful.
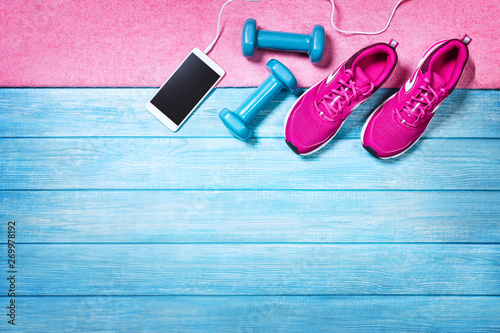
[{"x": 185, "y": 88}]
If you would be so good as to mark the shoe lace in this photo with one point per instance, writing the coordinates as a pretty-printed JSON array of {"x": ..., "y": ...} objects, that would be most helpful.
[
  {"x": 346, "y": 93},
  {"x": 420, "y": 104}
]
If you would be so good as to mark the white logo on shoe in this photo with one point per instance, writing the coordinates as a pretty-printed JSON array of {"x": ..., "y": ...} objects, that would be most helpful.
[
  {"x": 411, "y": 82},
  {"x": 332, "y": 76}
]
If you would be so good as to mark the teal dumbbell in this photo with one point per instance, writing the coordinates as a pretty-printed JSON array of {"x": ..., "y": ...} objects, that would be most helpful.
[
  {"x": 237, "y": 121},
  {"x": 312, "y": 44}
]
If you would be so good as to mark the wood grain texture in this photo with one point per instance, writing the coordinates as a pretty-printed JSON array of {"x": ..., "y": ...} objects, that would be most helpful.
[
  {"x": 121, "y": 112},
  {"x": 126, "y": 226},
  {"x": 258, "y": 314},
  {"x": 251, "y": 216},
  {"x": 140, "y": 163},
  {"x": 256, "y": 269}
]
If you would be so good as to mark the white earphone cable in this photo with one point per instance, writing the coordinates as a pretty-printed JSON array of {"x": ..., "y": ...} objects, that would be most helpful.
[
  {"x": 211, "y": 45},
  {"x": 364, "y": 32}
]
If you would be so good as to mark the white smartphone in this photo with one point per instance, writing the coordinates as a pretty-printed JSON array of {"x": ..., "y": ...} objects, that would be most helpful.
[{"x": 184, "y": 90}]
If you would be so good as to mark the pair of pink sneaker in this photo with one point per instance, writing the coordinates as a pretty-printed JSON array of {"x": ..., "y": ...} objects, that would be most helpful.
[{"x": 395, "y": 125}]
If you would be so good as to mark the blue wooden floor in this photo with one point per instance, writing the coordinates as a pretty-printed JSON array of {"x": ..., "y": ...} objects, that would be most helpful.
[{"x": 122, "y": 225}]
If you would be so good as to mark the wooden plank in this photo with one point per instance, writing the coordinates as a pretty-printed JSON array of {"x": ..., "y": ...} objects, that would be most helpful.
[
  {"x": 255, "y": 269},
  {"x": 252, "y": 216},
  {"x": 255, "y": 314},
  {"x": 145, "y": 163},
  {"x": 121, "y": 112}
]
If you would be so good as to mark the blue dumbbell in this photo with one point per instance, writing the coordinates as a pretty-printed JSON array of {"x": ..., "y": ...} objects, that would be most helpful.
[
  {"x": 252, "y": 39},
  {"x": 237, "y": 121}
]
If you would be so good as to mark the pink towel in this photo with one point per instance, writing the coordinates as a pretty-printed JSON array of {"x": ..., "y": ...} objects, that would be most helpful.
[{"x": 140, "y": 42}]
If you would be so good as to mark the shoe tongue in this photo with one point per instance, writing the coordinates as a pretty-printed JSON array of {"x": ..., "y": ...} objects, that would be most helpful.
[
  {"x": 437, "y": 82},
  {"x": 360, "y": 78}
]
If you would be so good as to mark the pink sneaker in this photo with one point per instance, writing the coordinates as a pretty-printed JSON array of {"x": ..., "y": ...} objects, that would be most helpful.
[
  {"x": 320, "y": 112},
  {"x": 397, "y": 124}
]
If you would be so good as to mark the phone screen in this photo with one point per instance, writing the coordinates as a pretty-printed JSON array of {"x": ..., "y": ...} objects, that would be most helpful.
[{"x": 185, "y": 88}]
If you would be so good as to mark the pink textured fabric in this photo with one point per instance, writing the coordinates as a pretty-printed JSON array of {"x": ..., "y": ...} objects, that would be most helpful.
[{"x": 141, "y": 42}]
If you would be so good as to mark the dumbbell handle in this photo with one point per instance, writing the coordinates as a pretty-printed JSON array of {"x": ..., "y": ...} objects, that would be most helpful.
[
  {"x": 286, "y": 41},
  {"x": 258, "y": 99}
]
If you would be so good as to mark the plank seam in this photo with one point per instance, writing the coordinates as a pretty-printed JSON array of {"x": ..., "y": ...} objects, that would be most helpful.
[
  {"x": 210, "y": 137},
  {"x": 258, "y": 243},
  {"x": 239, "y": 190},
  {"x": 263, "y": 295}
]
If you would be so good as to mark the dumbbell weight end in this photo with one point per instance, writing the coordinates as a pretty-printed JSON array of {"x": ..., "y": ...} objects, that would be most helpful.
[{"x": 237, "y": 121}]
